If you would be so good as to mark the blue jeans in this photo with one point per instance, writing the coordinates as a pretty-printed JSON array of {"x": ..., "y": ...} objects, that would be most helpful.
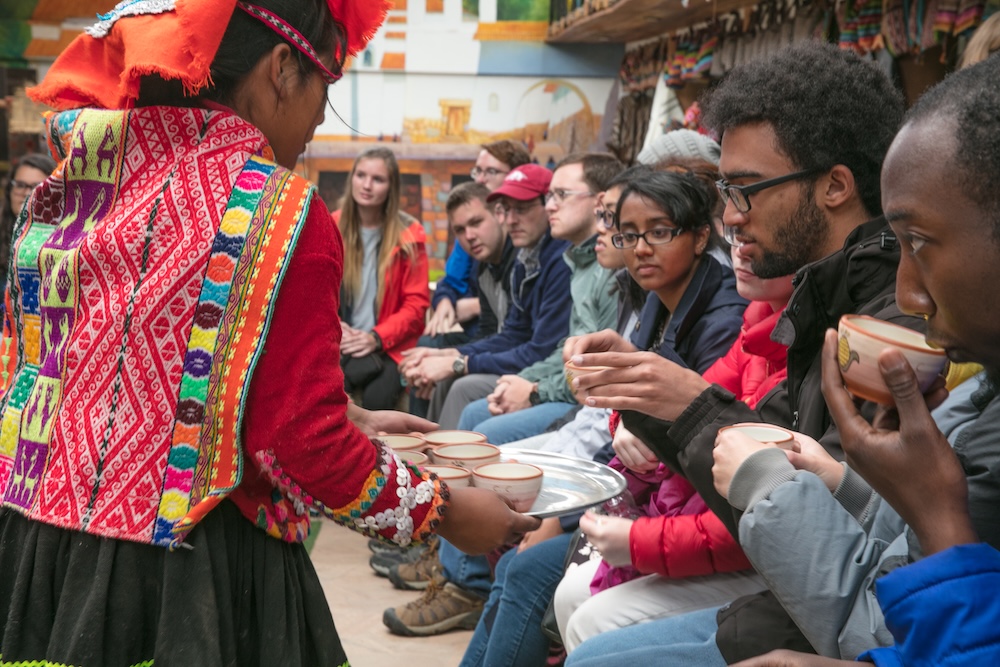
[
  {"x": 470, "y": 573},
  {"x": 688, "y": 639},
  {"x": 506, "y": 428},
  {"x": 509, "y": 631}
]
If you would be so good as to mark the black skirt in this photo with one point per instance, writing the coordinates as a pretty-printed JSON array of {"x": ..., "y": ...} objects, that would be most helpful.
[{"x": 238, "y": 598}]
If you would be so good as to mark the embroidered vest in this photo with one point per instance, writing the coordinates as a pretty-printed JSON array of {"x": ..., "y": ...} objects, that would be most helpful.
[{"x": 145, "y": 274}]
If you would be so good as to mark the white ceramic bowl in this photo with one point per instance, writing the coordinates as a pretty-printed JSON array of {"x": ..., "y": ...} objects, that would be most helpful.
[
  {"x": 452, "y": 475},
  {"x": 402, "y": 442},
  {"x": 413, "y": 456},
  {"x": 435, "y": 438},
  {"x": 468, "y": 455},
  {"x": 518, "y": 483},
  {"x": 860, "y": 341},
  {"x": 762, "y": 432}
]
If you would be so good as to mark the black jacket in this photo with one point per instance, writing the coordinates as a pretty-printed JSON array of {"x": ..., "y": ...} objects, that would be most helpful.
[{"x": 860, "y": 278}]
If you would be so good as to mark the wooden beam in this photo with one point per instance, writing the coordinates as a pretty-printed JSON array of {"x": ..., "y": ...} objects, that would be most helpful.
[{"x": 636, "y": 20}]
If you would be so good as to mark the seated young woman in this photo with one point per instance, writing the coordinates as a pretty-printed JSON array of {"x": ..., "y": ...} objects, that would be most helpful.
[
  {"x": 692, "y": 315},
  {"x": 385, "y": 294},
  {"x": 677, "y": 556}
]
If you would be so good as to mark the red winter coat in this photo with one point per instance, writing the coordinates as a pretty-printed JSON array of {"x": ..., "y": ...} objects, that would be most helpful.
[
  {"x": 687, "y": 544},
  {"x": 407, "y": 296}
]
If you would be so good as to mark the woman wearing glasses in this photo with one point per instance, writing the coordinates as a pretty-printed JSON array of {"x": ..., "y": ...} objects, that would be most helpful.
[
  {"x": 384, "y": 295},
  {"x": 27, "y": 173},
  {"x": 664, "y": 223}
]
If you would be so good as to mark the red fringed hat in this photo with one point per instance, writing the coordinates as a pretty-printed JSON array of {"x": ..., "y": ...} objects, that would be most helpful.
[{"x": 176, "y": 39}]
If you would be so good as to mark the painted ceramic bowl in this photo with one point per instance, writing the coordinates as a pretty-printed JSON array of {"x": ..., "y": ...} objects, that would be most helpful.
[
  {"x": 517, "y": 483},
  {"x": 435, "y": 438},
  {"x": 402, "y": 442},
  {"x": 763, "y": 433},
  {"x": 467, "y": 455},
  {"x": 452, "y": 475},
  {"x": 862, "y": 339}
]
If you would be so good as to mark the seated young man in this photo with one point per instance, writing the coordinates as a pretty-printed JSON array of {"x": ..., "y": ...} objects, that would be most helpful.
[
  {"x": 943, "y": 609},
  {"x": 486, "y": 241},
  {"x": 524, "y": 404},
  {"x": 538, "y": 317}
]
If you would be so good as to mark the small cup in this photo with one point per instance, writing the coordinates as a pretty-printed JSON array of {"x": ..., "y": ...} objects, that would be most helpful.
[
  {"x": 402, "y": 442},
  {"x": 468, "y": 455},
  {"x": 518, "y": 483},
  {"x": 860, "y": 341},
  {"x": 413, "y": 456},
  {"x": 763, "y": 433},
  {"x": 435, "y": 438},
  {"x": 452, "y": 475},
  {"x": 574, "y": 371}
]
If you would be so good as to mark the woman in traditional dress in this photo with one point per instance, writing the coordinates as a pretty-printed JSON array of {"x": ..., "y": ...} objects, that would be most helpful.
[{"x": 173, "y": 408}]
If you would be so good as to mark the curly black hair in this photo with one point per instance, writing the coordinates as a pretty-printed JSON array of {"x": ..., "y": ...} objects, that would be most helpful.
[
  {"x": 827, "y": 107},
  {"x": 970, "y": 99}
]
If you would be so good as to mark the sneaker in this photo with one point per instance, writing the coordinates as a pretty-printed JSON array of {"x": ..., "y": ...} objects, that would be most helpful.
[
  {"x": 416, "y": 575},
  {"x": 439, "y": 609},
  {"x": 384, "y": 561},
  {"x": 377, "y": 546}
]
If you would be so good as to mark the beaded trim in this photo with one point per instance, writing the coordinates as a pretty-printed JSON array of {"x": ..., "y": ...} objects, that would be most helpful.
[
  {"x": 357, "y": 514},
  {"x": 280, "y": 26}
]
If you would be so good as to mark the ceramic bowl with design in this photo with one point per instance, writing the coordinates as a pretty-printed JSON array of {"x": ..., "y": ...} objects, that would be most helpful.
[
  {"x": 860, "y": 341},
  {"x": 518, "y": 483}
]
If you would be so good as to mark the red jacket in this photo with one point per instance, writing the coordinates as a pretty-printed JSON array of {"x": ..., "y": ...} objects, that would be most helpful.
[
  {"x": 688, "y": 545},
  {"x": 407, "y": 296}
]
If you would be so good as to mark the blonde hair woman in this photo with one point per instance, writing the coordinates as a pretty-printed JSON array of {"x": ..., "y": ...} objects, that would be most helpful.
[{"x": 384, "y": 294}]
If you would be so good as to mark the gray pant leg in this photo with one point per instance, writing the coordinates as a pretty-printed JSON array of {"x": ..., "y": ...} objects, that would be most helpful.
[{"x": 463, "y": 391}]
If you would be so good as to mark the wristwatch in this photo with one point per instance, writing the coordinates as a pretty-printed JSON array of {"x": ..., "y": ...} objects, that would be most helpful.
[
  {"x": 534, "y": 397},
  {"x": 458, "y": 366}
]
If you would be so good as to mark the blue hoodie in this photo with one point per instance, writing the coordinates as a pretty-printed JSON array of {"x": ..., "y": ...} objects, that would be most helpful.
[{"x": 538, "y": 318}]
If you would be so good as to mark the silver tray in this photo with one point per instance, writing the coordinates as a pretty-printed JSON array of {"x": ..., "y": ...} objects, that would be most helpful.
[{"x": 570, "y": 484}]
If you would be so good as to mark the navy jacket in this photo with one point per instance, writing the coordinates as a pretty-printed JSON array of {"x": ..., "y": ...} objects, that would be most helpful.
[
  {"x": 707, "y": 321},
  {"x": 537, "y": 320}
]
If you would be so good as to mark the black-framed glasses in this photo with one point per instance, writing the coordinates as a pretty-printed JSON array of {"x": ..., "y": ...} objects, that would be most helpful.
[
  {"x": 740, "y": 194},
  {"x": 606, "y": 217},
  {"x": 502, "y": 210},
  {"x": 657, "y": 236},
  {"x": 489, "y": 172}
]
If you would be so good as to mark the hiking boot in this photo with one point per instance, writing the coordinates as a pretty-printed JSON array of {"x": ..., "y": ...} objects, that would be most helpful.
[
  {"x": 416, "y": 575},
  {"x": 384, "y": 561},
  {"x": 439, "y": 609}
]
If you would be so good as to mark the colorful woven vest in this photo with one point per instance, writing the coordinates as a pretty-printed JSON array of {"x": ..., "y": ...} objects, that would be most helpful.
[{"x": 146, "y": 271}]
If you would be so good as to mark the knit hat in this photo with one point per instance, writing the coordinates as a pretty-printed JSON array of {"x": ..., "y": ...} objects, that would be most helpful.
[
  {"x": 682, "y": 144},
  {"x": 526, "y": 182},
  {"x": 177, "y": 39}
]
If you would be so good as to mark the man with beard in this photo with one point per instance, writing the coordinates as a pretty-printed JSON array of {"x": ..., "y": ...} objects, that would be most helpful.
[
  {"x": 803, "y": 138},
  {"x": 939, "y": 199}
]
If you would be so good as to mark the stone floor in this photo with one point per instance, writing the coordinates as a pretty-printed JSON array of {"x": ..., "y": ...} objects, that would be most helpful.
[{"x": 358, "y": 598}]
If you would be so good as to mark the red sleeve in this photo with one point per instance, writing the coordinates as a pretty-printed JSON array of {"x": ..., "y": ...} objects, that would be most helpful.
[
  {"x": 726, "y": 371},
  {"x": 296, "y": 429},
  {"x": 401, "y": 323},
  {"x": 689, "y": 545}
]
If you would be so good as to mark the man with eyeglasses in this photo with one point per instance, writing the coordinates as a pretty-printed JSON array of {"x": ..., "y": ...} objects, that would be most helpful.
[
  {"x": 455, "y": 299},
  {"x": 803, "y": 137},
  {"x": 540, "y": 304},
  {"x": 524, "y": 404}
]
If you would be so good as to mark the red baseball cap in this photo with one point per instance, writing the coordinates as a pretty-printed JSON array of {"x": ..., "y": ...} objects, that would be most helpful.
[{"x": 526, "y": 182}]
